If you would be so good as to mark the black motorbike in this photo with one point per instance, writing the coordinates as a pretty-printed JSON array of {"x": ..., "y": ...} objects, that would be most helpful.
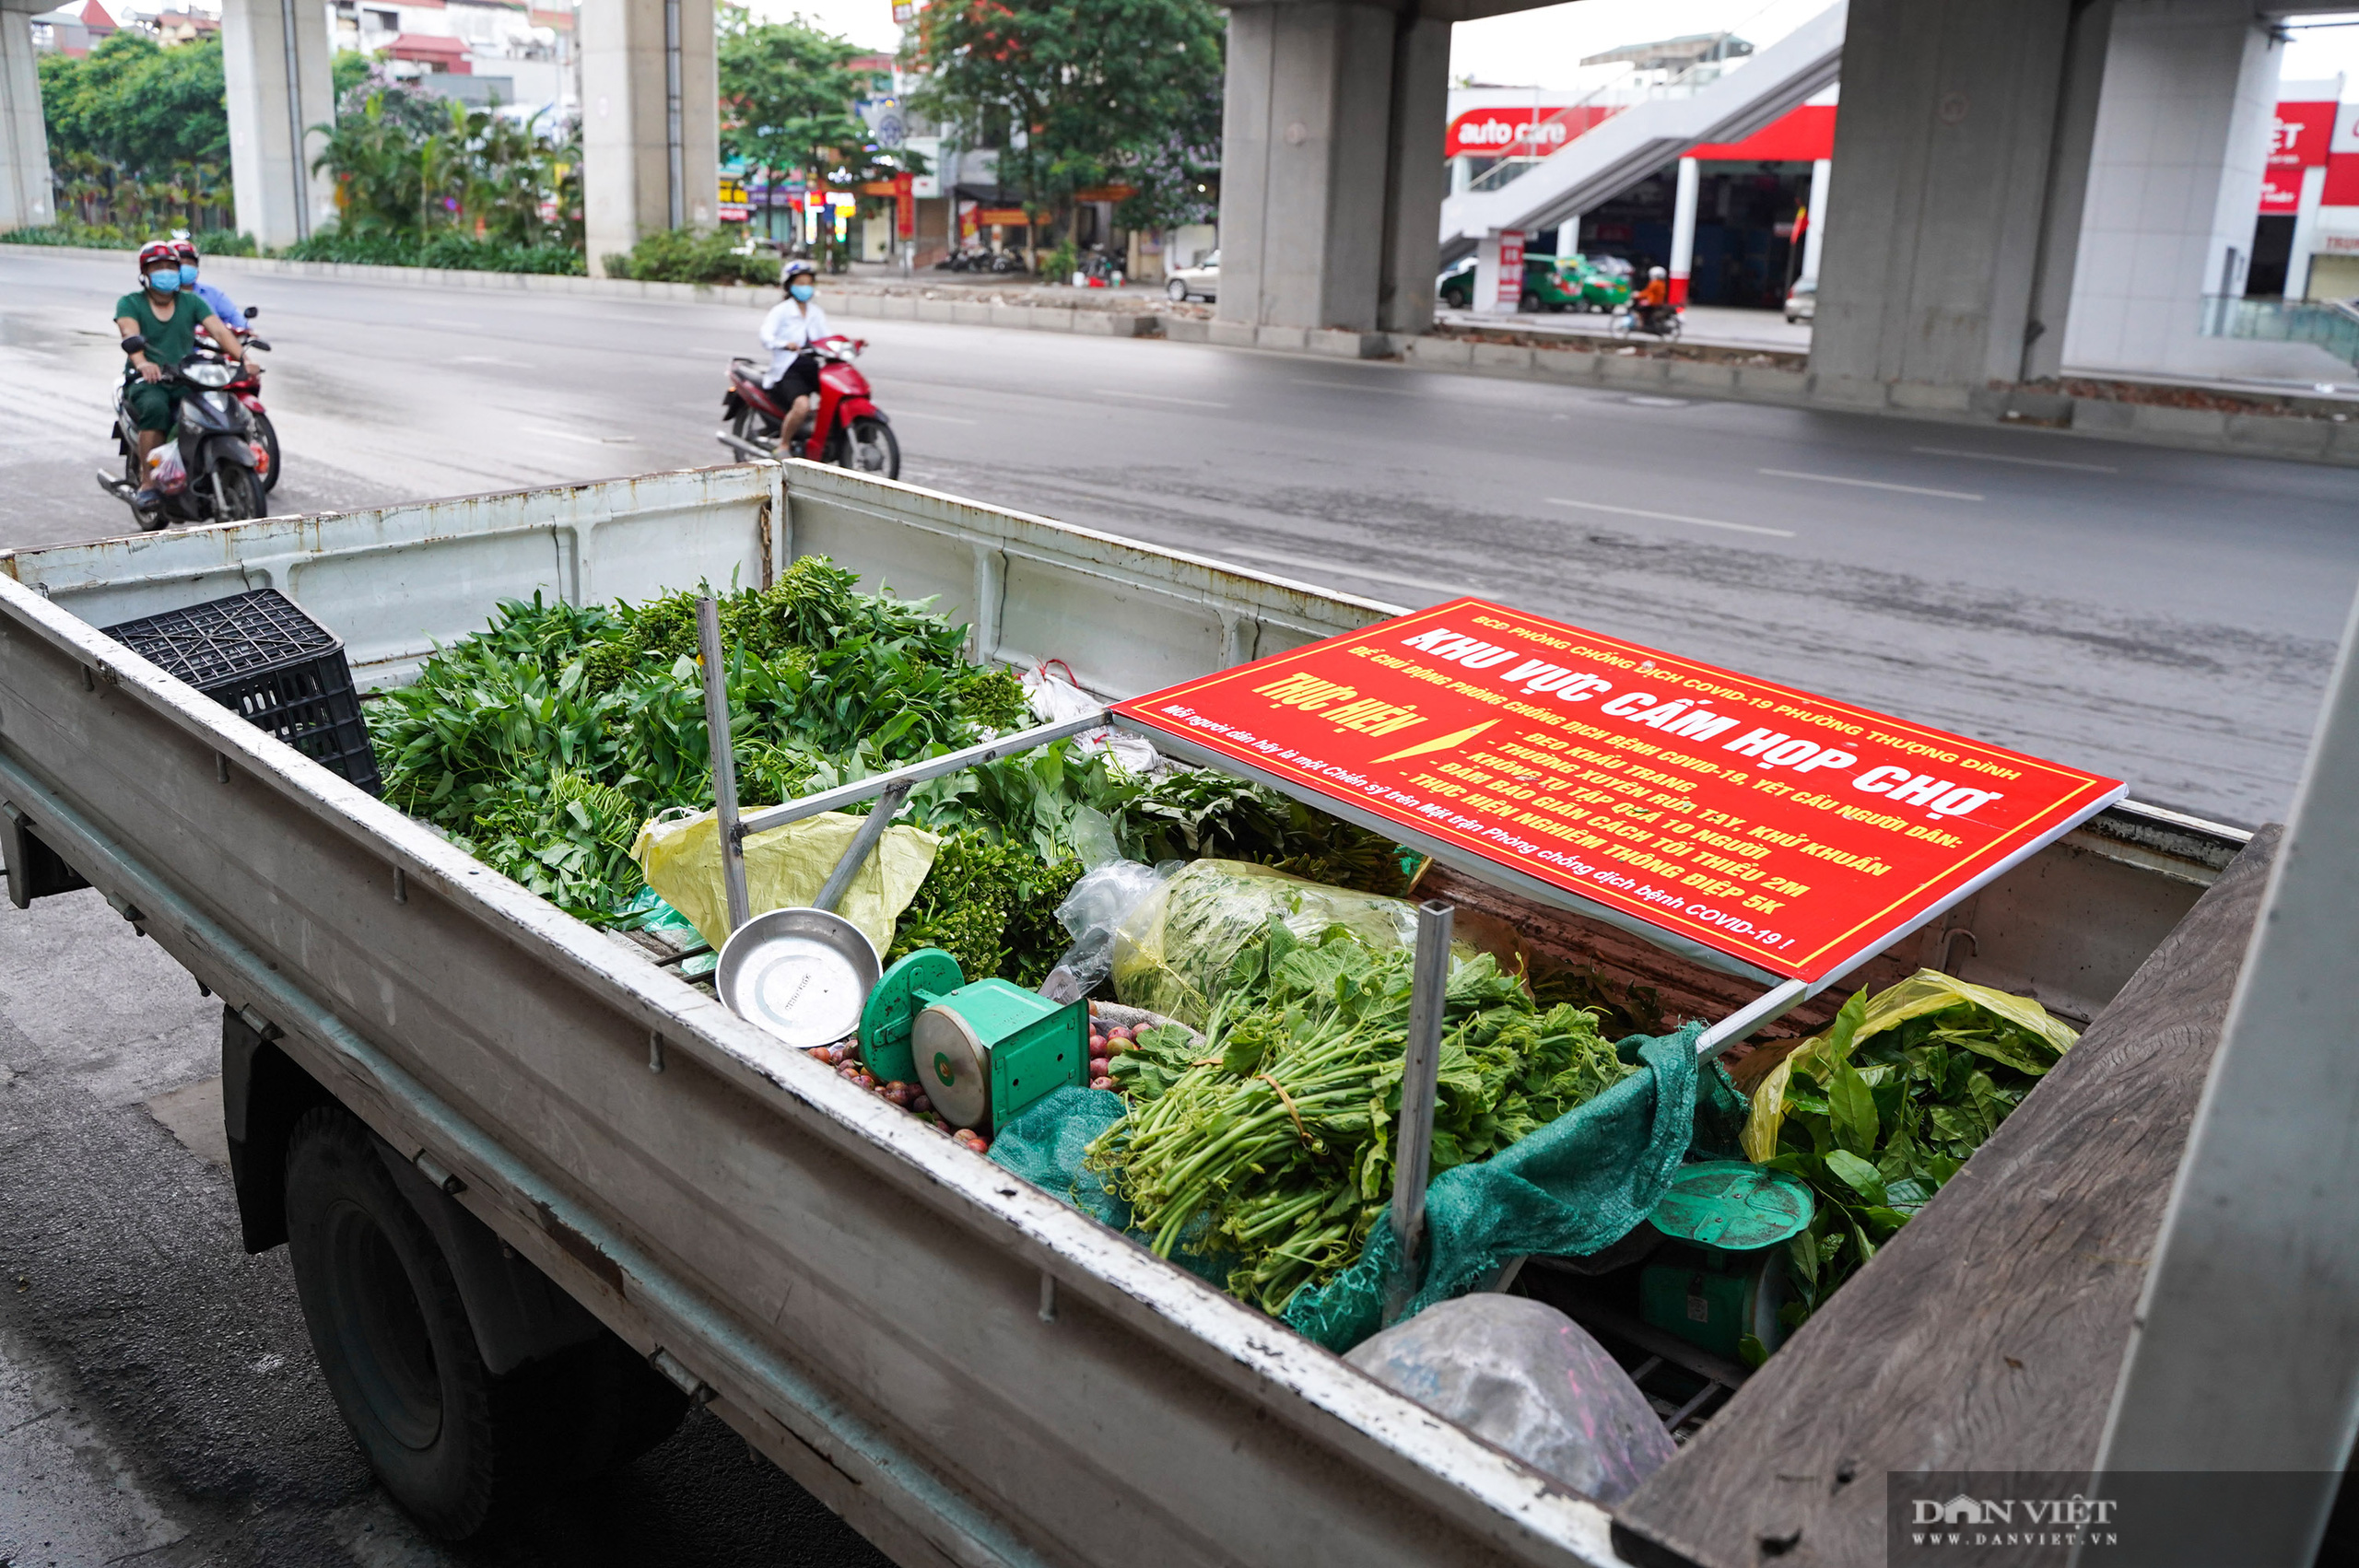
[{"x": 217, "y": 443}]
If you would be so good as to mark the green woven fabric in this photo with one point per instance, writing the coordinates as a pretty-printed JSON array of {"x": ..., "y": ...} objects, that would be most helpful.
[{"x": 1577, "y": 1186}]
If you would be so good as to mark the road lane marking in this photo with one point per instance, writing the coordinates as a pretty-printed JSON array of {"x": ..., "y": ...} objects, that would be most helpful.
[
  {"x": 1154, "y": 397},
  {"x": 1397, "y": 580},
  {"x": 2026, "y": 461},
  {"x": 1870, "y": 485},
  {"x": 1673, "y": 516},
  {"x": 921, "y": 414},
  {"x": 576, "y": 436}
]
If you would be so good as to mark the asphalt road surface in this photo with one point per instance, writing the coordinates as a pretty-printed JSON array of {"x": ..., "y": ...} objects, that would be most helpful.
[{"x": 2166, "y": 616}]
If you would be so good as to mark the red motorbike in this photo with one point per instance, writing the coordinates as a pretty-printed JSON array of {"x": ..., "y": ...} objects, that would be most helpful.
[
  {"x": 845, "y": 427},
  {"x": 247, "y": 390}
]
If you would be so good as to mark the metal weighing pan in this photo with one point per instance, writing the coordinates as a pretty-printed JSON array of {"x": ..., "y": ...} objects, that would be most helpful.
[{"x": 803, "y": 975}]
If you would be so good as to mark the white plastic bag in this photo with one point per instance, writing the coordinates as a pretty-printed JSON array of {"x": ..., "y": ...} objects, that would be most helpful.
[
  {"x": 165, "y": 470},
  {"x": 1056, "y": 696}
]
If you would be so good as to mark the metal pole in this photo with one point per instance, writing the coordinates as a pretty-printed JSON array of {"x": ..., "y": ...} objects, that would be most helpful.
[
  {"x": 678, "y": 167},
  {"x": 2243, "y": 1353},
  {"x": 872, "y": 828},
  {"x": 1765, "y": 1009},
  {"x": 1412, "y": 1133},
  {"x": 724, "y": 762},
  {"x": 295, "y": 123}
]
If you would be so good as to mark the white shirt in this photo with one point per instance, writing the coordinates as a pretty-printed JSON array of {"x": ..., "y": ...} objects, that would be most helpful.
[{"x": 787, "y": 331}]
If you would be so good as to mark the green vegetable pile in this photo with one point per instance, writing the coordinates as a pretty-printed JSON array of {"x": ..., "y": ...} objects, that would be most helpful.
[
  {"x": 542, "y": 743},
  {"x": 1271, "y": 1143},
  {"x": 1879, "y": 1112}
]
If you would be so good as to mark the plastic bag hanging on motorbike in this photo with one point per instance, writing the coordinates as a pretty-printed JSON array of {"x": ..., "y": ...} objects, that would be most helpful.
[
  {"x": 165, "y": 472},
  {"x": 1056, "y": 698}
]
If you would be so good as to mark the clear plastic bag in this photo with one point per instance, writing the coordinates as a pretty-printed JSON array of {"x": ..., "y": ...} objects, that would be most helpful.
[
  {"x": 165, "y": 472},
  {"x": 1055, "y": 697},
  {"x": 1172, "y": 948},
  {"x": 1093, "y": 910}
]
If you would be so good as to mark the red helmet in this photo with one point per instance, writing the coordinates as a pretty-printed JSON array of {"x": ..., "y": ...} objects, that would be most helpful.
[
  {"x": 156, "y": 252},
  {"x": 185, "y": 250}
]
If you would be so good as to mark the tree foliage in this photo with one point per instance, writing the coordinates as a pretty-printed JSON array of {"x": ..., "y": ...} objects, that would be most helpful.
[
  {"x": 1084, "y": 93},
  {"x": 137, "y": 104},
  {"x": 411, "y": 165},
  {"x": 786, "y": 103}
]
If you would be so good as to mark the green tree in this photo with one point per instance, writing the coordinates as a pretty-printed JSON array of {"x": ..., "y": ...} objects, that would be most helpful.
[
  {"x": 1082, "y": 93},
  {"x": 137, "y": 103},
  {"x": 351, "y": 68},
  {"x": 786, "y": 97}
]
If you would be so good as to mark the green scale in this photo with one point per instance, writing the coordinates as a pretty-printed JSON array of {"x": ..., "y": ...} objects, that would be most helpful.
[
  {"x": 981, "y": 1052},
  {"x": 1721, "y": 1275}
]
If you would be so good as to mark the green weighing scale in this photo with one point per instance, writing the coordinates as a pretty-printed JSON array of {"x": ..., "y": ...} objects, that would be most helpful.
[
  {"x": 981, "y": 1052},
  {"x": 1721, "y": 1273}
]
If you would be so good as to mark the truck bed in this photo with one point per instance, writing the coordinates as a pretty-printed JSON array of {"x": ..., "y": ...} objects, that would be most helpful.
[{"x": 967, "y": 1370}]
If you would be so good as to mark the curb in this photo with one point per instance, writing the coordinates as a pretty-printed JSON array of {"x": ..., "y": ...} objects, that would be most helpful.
[{"x": 2330, "y": 439}]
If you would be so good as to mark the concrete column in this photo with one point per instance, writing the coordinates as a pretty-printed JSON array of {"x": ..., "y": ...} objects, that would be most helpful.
[
  {"x": 275, "y": 78},
  {"x": 24, "y": 141},
  {"x": 1942, "y": 156},
  {"x": 1330, "y": 183},
  {"x": 1568, "y": 236},
  {"x": 1821, "y": 174},
  {"x": 1682, "y": 226},
  {"x": 650, "y": 125},
  {"x": 2306, "y": 231},
  {"x": 2181, "y": 144}
]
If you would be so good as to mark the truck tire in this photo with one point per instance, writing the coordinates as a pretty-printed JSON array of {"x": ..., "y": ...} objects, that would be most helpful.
[{"x": 454, "y": 1445}]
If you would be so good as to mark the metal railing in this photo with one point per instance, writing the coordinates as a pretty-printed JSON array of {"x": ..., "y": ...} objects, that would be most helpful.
[{"x": 2333, "y": 325}]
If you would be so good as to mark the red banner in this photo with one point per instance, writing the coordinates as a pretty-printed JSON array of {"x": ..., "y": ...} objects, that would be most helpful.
[
  {"x": 1520, "y": 133},
  {"x": 1794, "y": 831},
  {"x": 2297, "y": 143},
  {"x": 904, "y": 205}
]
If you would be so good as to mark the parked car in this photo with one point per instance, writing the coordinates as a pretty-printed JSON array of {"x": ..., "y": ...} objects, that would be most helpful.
[
  {"x": 1802, "y": 300},
  {"x": 1199, "y": 281},
  {"x": 1550, "y": 283}
]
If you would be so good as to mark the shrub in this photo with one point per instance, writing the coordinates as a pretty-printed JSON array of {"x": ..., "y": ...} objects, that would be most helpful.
[
  {"x": 455, "y": 251},
  {"x": 686, "y": 255}
]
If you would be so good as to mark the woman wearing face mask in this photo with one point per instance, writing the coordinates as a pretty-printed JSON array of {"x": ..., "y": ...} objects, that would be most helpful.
[
  {"x": 167, "y": 316},
  {"x": 793, "y": 324}
]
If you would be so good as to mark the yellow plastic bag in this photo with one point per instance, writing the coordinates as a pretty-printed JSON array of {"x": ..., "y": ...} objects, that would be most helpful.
[
  {"x": 785, "y": 868},
  {"x": 1927, "y": 990}
]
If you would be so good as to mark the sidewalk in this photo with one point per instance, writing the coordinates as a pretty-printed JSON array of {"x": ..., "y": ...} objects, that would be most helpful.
[{"x": 1710, "y": 326}]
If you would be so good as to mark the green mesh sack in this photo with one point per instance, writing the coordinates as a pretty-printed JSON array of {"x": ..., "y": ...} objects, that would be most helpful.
[
  {"x": 1046, "y": 1143},
  {"x": 1576, "y": 1186}
]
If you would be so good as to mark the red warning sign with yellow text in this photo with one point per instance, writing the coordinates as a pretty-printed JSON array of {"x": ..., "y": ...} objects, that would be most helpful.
[{"x": 1794, "y": 831}]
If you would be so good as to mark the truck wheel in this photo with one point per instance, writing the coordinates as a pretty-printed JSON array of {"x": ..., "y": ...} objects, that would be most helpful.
[{"x": 454, "y": 1444}]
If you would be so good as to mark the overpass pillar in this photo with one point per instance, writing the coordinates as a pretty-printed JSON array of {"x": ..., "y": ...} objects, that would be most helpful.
[
  {"x": 24, "y": 141},
  {"x": 1330, "y": 166},
  {"x": 650, "y": 122},
  {"x": 1960, "y": 187},
  {"x": 275, "y": 78},
  {"x": 2180, "y": 146}
]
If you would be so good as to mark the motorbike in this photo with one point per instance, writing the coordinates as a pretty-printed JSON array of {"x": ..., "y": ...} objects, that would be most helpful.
[
  {"x": 247, "y": 389},
  {"x": 845, "y": 427},
  {"x": 219, "y": 452},
  {"x": 1629, "y": 319}
]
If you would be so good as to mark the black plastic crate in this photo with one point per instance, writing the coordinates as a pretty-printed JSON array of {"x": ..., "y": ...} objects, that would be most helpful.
[{"x": 259, "y": 655}]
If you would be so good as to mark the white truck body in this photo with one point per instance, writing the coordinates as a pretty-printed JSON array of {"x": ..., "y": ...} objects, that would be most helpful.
[{"x": 967, "y": 1370}]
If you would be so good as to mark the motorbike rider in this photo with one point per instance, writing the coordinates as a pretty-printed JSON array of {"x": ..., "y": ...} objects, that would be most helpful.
[
  {"x": 169, "y": 317},
  {"x": 1654, "y": 300},
  {"x": 223, "y": 306},
  {"x": 793, "y": 324}
]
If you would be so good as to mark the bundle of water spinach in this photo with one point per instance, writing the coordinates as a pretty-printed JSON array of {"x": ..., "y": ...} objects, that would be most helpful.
[{"x": 1271, "y": 1145}]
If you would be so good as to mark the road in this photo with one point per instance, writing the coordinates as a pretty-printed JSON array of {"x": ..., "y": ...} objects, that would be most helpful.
[{"x": 2166, "y": 616}]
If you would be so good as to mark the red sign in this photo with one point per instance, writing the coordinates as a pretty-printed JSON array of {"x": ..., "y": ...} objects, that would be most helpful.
[
  {"x": 1519, "y": 132},
  {"x": 904, "y": 205},
  {"x": 2298, "y": 142},
  {"x": 1793, "y": 832},
  {"x": 1800, "y": 135},
  {"x": 1510, "y": 268}
]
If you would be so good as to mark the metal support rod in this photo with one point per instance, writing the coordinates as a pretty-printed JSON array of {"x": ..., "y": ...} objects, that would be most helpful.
[
  {"x": 295, "y": 123},
  {"x": 724, "y": 762},
  {"x": 863, "y": 843},
  {"x": 676, "y": 166},
  {"x": 916, "y": 773},
  {"x": 1765, "y": 1009},
  {"x": 1412, "y": 1133}
]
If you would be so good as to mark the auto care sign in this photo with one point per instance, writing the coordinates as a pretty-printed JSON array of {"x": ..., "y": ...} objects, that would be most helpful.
[{"x": 1793, "y": 832}]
